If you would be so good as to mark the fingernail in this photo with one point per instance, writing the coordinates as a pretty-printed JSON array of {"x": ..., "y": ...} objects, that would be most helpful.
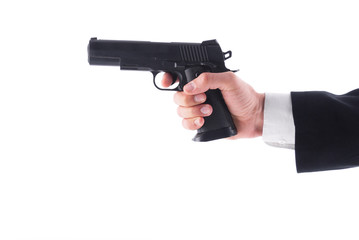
[
  {"x": 189, "y": 87},
  {"x": 199, "y": 98},
  {"x": 205, "y": 110}
]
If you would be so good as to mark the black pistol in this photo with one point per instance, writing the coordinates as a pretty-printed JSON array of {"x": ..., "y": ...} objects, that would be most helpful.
[{"x": 184, "y": 61}]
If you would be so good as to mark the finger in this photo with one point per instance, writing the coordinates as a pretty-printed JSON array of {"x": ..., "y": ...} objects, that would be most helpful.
[
  {"x": 166, "y": 80},
  {"x": 206, "y": 81},
  {"x": 203, "y": 110},
  {"x": 182, "y": 99},
  {"x": 193, "y": 123}
]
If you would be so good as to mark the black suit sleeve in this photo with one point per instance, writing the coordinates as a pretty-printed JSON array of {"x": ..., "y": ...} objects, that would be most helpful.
[{"x": 326, "y": 130}]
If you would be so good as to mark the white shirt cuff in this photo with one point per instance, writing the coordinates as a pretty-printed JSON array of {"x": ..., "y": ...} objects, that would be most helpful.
[{"x": 278, "y": 128}]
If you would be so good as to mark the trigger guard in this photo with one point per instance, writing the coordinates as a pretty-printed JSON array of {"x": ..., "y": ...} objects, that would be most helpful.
[{"x": 154, "y": 73}]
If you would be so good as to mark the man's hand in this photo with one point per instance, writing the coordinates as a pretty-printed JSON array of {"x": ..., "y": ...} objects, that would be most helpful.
[{"x": 245, "y": 105}]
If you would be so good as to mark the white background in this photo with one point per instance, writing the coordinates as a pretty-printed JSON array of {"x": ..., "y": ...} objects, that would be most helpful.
[{"x": 99, "y": 153}]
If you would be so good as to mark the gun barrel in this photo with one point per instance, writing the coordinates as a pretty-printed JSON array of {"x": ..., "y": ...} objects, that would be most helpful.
[{"x": 102, "y": 53}]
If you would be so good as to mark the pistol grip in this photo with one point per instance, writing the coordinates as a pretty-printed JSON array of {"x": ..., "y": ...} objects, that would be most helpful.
[{"x": 220, "y": 123}]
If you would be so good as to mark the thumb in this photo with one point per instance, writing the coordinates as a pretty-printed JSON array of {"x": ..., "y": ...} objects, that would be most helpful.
[{"x": 206, "y": 81}]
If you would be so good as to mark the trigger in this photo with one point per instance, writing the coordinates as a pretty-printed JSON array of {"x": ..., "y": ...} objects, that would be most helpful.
[
  {"x": 174, "y": 77},
  {"x": 169, "y": 85}
]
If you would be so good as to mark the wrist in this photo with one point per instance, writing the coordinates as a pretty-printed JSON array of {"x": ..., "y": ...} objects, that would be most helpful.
[{"x": 259, "y": 115}]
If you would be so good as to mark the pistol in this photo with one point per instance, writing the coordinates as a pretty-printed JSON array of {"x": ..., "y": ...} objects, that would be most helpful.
[{"x": 183, "y": 61}]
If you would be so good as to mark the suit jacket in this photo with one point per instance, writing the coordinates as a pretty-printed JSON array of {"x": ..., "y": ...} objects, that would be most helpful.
[{"x": 326, "y": 130}]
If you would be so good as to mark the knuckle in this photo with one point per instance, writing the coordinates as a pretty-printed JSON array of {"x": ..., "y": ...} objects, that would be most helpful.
[
  {"x": 184, "y": 100},
  {"x": 231, "y": 76},
  {"x": 186, "y": 124},
  {"x": 188, "y": 112},
  {"x": 192, "y": 124},
  {"x": 195, "y": 111},
  {"x": 204, "y": 78},
  {"x": 179, "y": 111},
  {"x": 177, "y": 97},
  {"x": 187, "y": 101},
  {"x": 180, "y": 98}
]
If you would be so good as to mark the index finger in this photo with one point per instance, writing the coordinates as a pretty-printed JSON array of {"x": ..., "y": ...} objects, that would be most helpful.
[{"x": 166, "y": 80}]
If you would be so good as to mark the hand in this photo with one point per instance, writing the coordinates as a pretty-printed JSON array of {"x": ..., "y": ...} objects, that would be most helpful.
[{"x": 245, "y": 105}]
